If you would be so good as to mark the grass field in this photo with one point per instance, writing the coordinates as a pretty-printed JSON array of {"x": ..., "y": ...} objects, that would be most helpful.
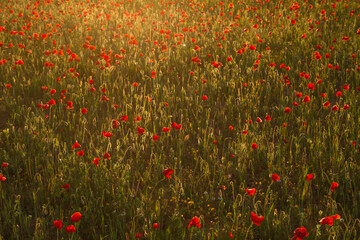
[{"x": 141, "y": 119}]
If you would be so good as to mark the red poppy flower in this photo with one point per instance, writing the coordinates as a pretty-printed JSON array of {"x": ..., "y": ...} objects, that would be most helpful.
[
  {"x": 104, "y": 98},
  {"x": 309, "y": 177},
  {"x": 339, "y": 94},
  {"x": 96, "y": 161},
  {"x": 311, "y": 86},
  {"x": 256, "y": 219},
  {"x": 106, "y": 156},
  {"x": 250, "y": 191},
  {"x": 167, "y": 172},
  {"x": 268, "y": 118},
  {"x": 2, "y": 178},
  {"x": 156, "y": 226},
  {"x": 4, "y": 165},
  {"x": 66, "y": 186},
  {"x": 166, "y": 129},
  {"x": 244, "y": 132},
  {"x": 231, "y": 235},
  {"x": 76, "y": 217},
  {"x": 84, "y": 110},
  {"x": 259, "y": 120},
  {"x": 204, "y": 97},
  {"x": 58, "y": 224},
  {"x": 287, "y": 110},
  {"x": 195, "y": 222},
  {"x": 140, "y": 130},
  {"x": 326, "y": 104},
  {"x": 155, "y": 137},
  {"x": 123, "y": 118},
  {"x": 107, "y": 134},
  {"x": 76, "y": 145},
  {"x": 346, "y": 107},
  {"x": 335, "y": 108},
  {"x": 69, "y": 105},
  {"x": 306, "y": 99},
  {"x": 252, "y": 47},
  {"x": 51, "y": 102},
  {"x": 275, "y": 177},
  {"x": 80, "y": 153},
  {"x": 329, "y": 220},
  {"x": 70, "y": 229},
  {"x": 253, "y": 145},
  {"x": 138, "y": 235},
  {"x": 334, "y": 185},
  {"x": 300, "y": 233}
]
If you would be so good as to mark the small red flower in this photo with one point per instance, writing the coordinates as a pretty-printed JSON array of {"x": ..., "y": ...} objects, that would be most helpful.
[
  {"x": 204, "y": 97},
  {"x": 96, "y": 161},
  {"x": 58, "y": 224},
  {"x": 252, "y": 47},
  {"x": 123, "y": 118},
  {"x": 106, "y": 156},
  {"x": 76, "y": 145},
  {"x": 167, "y": 172},
  {"x": 335, "y": 108},
  {"x": 138, "y": 235},
  {"x": 275, "y": 177},
  {"x": 339, "y": 94},
  {"x": 195, "y": 222},
  {"x": 256, "y": 219},
  {"x": 153, "y": 73},
  {"x": 334, "y": 185},
  {"x": 346, "y": 107},
  {"x": 69, "y": 105},
  {"x": 287, "y": 110},
  {"x": 309, "y": 177},
  {"x": 166, "y": 129},
  {"x": 306, "y": 99},
  {"x": 80, "y": 153},
  {"x": 156, "y": 226},
  {"x": 250, "y": 191},
  {"x": 5, "y": 164},
  {"x": 84, "y": 110},
  {"x": 140, "y": 130},
  {"x": 104, "y": 98},
  {"x": 155, "y": 137},
  {"x": 300, "y": 233},
  {"x": 66, "y": 186},
  {"x": 268, "y": 118},
  {"x": 76, "y": 217},
  {"x": 329, "y": 220},
  {"x": 70, "y": 229},
  {"x": 253, "y": 145}
]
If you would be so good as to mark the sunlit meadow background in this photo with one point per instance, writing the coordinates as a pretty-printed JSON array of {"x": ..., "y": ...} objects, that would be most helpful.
[{"x": 212, "y": 80}]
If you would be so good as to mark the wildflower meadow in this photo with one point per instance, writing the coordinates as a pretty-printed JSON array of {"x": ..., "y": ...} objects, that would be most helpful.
[{"x": 180, "y": 119}]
